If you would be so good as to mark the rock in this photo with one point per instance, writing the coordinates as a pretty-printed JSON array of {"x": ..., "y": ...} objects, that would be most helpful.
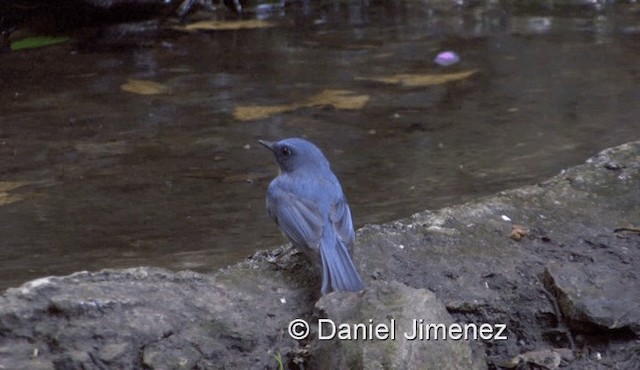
[
  {"x": 575, "y": 269},
  {"x": 394, "y": 307},
  {"x": 547, "y": 359},
  {"x": 591, "y": 296},
  {"x": 142, "y": 318},
  {"x": 466, "y": 256}
]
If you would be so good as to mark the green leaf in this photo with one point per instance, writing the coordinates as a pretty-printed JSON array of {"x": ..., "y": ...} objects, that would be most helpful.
[
  {"x": 278, "y": 357},
  {"x": 37, "y": 42}
]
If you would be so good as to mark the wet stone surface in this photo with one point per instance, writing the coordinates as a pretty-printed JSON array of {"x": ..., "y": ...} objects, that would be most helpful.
[
  {"x": 592, "y": 296},
  {"x": 565, "y": 290}
]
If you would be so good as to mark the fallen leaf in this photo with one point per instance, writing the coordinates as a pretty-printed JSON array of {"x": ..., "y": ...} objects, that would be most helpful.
[
  {"x": 420, "y": 80},
  {"x": 5, "y": 187},
  {"x": 518, "y": 232},
  {"x": 226, "y": 25},
  {"x": 6, "y": 198},
  {"x": 632, "y": 229},
  {"x": 10, "y": 185},
  {"x": 340, "y": 99},
  {"x": 144, "y": 87},
  {"x": 254, "y": 112},
  {"x": 37, "y": 42}
]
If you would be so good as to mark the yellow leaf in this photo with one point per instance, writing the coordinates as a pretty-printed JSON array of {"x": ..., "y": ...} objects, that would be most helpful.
[
  {"x": 226, "y": 25},
  {"x": 5, "y": 187},
  {"x": 10, "y": 185},
  {"x": 416, "y": 80},
  {"x": 144, "y": 87},
  {"x": 6, "y": 198},
  {"x": 341, "y": 99},
  {"x": 254, "y": 112}
]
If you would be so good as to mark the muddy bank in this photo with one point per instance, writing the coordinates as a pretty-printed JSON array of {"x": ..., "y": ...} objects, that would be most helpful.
[{"x": 556, "y": 264}]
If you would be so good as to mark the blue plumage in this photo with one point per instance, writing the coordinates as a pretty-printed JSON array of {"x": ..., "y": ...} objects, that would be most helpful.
[{"x": 307, "y": 203}]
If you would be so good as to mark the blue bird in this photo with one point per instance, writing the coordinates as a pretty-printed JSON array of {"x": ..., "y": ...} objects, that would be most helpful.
[{"x": 307, "y": 204}]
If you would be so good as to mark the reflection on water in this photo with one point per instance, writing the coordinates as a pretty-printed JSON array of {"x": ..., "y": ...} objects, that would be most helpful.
[{"x": 93, "y": 176}]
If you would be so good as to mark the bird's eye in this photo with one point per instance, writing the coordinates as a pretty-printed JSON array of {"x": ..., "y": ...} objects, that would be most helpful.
[{"x": 286, "y": 151}]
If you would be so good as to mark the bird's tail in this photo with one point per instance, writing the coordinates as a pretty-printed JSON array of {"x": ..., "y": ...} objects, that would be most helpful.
[{"x": 338, "y": 272}]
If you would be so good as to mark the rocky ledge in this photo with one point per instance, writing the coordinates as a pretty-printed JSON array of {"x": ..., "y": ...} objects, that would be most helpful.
[{"x": 544, "y": 276}]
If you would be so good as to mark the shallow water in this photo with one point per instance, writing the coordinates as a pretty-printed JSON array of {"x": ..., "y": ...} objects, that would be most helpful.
[{"x": 94, "y": 177}]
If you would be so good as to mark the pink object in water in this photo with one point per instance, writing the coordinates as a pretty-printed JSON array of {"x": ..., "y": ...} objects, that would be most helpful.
[{"x": 446, "y": 58}]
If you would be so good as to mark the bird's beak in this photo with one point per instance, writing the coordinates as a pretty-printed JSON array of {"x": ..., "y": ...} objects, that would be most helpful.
[{"x": 268, "y": 144}]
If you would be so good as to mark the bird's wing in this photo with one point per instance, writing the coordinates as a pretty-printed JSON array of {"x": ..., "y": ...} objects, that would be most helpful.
[
  {"x": 340, "y": 217},
  {"x": 299, "y": 219}
]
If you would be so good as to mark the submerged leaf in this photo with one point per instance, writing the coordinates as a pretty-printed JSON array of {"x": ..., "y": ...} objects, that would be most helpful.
[
  {"x": 10, "y": 185},
  {"x": 226, "y": 25},
  {"x": 254, "y": 112},
  {"x": 5, "y": 187},
  {"x": 144, "y": 87},
  {"x": 416, "y": 80},
  {"x": 341, "y": 99},
  {"x": 37, "y": 42}
]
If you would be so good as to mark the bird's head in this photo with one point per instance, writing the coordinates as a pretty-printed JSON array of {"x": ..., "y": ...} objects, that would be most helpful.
[{"x": 296, "y": 154}]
